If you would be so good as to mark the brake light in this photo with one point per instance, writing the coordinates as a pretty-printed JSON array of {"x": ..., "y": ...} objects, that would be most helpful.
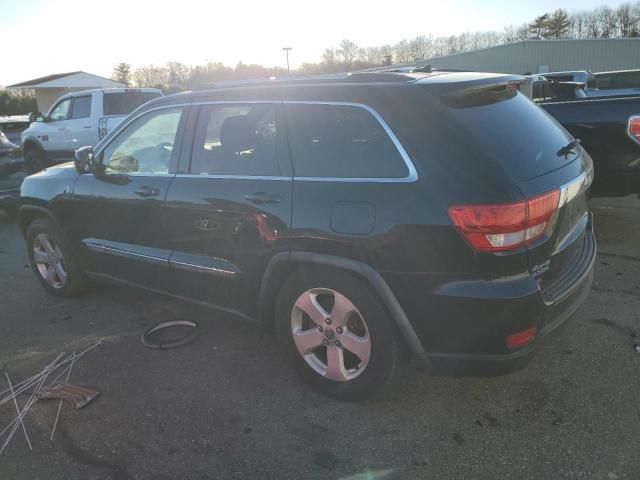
[
  {"x": 634, "y": 128},
  {"x": 503, "y": 226}
]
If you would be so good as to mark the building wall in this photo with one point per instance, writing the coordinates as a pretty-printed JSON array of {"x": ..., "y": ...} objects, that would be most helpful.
[
  {"x": 533, "y": 56},
  {"x": 46, "y": 97}
]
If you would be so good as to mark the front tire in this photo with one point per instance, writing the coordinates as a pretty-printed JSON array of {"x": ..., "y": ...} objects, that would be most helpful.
[
  {"x": 34, "y": 160},
  {"x": 54, "y": 262},
  {"x": 337, "y": 333}
]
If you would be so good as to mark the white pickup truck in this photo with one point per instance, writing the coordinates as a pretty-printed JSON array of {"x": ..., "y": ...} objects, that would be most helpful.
[{"x": 78, "y": 119}]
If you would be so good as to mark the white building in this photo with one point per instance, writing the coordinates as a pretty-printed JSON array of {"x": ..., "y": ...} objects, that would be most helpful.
[{"x": 48, "y": 89}]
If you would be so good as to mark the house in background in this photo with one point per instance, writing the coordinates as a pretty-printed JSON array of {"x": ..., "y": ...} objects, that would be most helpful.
[{"x": 48, "y": 89}]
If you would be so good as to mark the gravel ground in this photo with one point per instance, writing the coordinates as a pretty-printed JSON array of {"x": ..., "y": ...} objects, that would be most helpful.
[{"x": 229, "y": 406}]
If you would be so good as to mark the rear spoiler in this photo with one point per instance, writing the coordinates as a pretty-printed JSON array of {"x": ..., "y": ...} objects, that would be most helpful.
[{"x": 464, "y": 83}]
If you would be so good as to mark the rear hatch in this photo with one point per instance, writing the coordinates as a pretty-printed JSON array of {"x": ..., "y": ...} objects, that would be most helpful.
[{"x": 536, "y": 154}]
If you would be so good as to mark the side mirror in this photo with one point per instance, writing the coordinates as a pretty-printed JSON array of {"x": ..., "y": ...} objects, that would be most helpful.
[{"x": 85, "y": 161}]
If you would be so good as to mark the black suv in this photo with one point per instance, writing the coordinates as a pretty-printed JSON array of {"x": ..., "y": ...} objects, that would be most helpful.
[{"x": 360, "y": 215}]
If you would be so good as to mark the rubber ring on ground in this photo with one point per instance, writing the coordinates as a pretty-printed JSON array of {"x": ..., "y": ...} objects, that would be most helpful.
[{"x": 147, "y": 342}]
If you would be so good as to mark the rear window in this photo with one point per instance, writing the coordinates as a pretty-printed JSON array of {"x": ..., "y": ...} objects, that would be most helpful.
[
  {"x": 341, "y": 141},
  {"x": 123, "y": 103},
  {"x": 517, "y": 134}
]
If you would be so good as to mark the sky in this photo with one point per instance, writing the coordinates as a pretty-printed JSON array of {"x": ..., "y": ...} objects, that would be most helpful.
[{"x": 42, "y": 37}]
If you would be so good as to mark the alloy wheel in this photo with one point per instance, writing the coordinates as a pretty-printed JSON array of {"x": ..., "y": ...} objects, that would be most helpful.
[
  {"x": 330, "y": 334},
  {"x": 49, "y": 260}
]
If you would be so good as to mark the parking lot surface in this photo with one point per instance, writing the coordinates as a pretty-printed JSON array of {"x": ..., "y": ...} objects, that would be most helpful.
[{"x": 229, "y": 406}]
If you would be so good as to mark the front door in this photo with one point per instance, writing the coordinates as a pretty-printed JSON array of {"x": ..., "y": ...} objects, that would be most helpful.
[
  {"x": 232, "y": 211},
  {"x": 118, "y": 217},
  {"x": 53, "y": 133}
]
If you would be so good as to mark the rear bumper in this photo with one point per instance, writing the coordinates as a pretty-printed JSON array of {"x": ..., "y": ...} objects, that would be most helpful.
[
  {"x": 464, "y": 331},
  {"x": 556, "y": 316}
]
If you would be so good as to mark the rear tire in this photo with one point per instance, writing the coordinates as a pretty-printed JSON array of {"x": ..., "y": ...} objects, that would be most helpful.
[
  {"x": 53, "y": 260},
  {"x": 348, "y": 350}
]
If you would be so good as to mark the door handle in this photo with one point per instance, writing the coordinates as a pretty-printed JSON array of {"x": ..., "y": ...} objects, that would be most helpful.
[
  {"x": 262, "y": 197},
  {"x": 61, "y": 129},
  {"x": 87, "y": 126},
  {"x": 148, "y": 192}
]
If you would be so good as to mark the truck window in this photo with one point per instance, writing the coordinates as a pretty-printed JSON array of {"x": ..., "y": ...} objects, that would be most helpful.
[
  {"x": 123, "y": 103},
  {"x": 61, "y": 110},
  {"x": 81, "y": 107}
]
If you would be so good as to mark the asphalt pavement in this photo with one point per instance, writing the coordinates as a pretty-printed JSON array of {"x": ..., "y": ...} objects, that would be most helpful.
[{"x": 228, "y": 405}]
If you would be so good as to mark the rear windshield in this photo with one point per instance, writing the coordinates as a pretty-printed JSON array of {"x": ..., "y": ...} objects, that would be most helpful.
[
  {"x": 123, "y": 103},
  {"x": 520, "y": 136}
]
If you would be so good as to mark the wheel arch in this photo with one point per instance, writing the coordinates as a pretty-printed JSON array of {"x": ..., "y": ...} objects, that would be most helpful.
[
  {"x": 284, "y": 263},
  {"x": 31, "y": 143},
  {"x": 27, "y": 214}
]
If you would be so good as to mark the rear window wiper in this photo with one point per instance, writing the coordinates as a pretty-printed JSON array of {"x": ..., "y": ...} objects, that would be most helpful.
[{"x": 568, "y": 148}]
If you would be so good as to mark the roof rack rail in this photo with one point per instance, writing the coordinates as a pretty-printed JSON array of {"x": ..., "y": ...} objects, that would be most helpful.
[{"x": 344, "y": 77}]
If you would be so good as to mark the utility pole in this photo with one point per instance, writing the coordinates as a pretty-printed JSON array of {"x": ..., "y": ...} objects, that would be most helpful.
[{"x": 287, "y": 49}]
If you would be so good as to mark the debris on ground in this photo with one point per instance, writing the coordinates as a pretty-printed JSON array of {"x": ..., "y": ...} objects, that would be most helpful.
[
  {"x": 35, "y": 388},
  {"x": 636, "y": 348},
  {"x": 148, "y": 342},
  {"x": 75, "y": 395}
]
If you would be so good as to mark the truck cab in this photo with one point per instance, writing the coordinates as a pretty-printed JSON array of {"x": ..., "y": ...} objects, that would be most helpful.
[{"x": 78, "y": 119}]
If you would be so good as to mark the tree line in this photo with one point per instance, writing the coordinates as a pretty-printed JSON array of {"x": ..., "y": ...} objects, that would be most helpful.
[
  {"x": 16, "y": 103},
  {"x": 600, "y": 22}
]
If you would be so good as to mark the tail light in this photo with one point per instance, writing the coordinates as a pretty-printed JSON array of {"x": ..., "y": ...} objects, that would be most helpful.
[
  {"x": 504, "y": 226},
  {"x": 634, "y": 128}
]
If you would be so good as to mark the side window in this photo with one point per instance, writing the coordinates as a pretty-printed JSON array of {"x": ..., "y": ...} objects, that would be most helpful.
[
  {"x": 145, "y": 145},
  {"x": 236, "y": 140},
  {"x": 61, "y": 111},
  {"x": 81, "y": 107},
  {"x": 341, "y": 141}
]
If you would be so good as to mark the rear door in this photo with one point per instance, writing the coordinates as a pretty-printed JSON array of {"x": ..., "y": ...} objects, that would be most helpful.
[
  {"x": 80, "y": 131},
  {"x": 53, "y": 133},
  {"x": 230, "y": 212}
]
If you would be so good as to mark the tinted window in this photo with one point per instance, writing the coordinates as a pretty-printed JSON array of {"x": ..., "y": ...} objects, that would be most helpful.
[
  {"x": 517, "y": 134},
  {"x": 619, "y": 80},
  {"x": 123, "y": 103},
  {"x": 341, "y": 141},
  {"x": 236, "y": 140},
  {"x": 61, "y": 111},
  {"x": 81, "y": 107},
  {"x": 145, "y": 145}
]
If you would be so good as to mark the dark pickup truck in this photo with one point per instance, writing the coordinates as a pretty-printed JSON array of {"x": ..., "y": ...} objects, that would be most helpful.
[{"x": 609, "y": 129}]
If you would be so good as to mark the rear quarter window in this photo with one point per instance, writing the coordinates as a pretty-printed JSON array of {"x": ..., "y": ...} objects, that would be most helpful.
[
  {"x": 341, "y": 141},
  {"x": 123, "y": 103}
]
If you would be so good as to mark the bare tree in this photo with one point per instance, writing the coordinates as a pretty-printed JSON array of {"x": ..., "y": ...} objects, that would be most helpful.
[
  {"x": 348, "y": 51},
  {"x": 608, "y": 22},
  {"x": 151, "y": 76}
]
